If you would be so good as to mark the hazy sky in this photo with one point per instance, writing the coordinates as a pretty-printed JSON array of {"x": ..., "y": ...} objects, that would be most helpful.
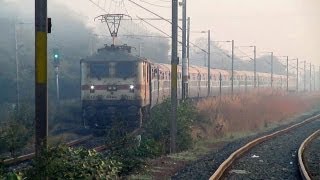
[{"x": 287, "y": 27}]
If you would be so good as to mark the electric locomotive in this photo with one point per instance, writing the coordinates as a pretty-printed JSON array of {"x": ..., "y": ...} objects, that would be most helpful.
[{"x": 114, "y": 83}]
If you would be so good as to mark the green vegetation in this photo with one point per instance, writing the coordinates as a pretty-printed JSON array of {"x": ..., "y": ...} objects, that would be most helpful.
[
  {"x": 68, "y": 163},
  {"x": 125, "y": 154},
  {"x": 158, "y": 128},
  {"x": 155, "y": 141},
  {"x": 16, "y": 131}
]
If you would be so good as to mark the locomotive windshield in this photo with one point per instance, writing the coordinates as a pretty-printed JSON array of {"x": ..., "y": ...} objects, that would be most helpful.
[
  {"x": 112, "y": 70},
  {"x": 125, "y": 69},
  {"x": 99, "y": 70}
]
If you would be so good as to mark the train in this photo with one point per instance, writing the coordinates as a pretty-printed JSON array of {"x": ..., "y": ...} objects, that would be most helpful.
[{"x": 115, "y": 82}]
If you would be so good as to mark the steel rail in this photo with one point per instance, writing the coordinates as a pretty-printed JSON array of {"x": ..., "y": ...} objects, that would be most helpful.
[
  {"x": 235, "y": 155},
  {"x": 30, "y": 156},
  {"x": 303, "y": 170}
]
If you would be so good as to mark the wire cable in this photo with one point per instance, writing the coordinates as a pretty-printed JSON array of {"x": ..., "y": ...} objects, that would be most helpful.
[{"x": 156, "y": 5}]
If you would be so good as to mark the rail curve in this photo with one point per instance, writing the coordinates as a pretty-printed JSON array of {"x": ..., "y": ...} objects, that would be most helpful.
[
  {"x": 303, "y": 170},
  {"x": 235, "y": 155}
]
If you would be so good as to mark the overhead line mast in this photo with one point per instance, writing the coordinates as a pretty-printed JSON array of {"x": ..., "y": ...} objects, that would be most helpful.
[
  {"x": 184, "y": 52},
  {"x": 41, "y": 91},
  {"x": 174, "y": 66}
]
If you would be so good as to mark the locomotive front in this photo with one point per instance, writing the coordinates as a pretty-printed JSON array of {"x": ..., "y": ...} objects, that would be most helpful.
[{"x": 110, "y": 88}]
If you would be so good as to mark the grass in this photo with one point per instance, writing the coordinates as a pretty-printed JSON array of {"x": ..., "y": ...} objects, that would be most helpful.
[{"x": 248, "y": 113}]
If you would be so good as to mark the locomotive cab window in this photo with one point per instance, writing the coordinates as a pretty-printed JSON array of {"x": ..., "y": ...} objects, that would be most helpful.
[
  {"x": 125, "y": 69},
  {"x": 99, "y": 70}
]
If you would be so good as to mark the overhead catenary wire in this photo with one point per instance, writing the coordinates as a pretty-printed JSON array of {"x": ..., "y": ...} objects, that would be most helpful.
[
  {"x": 167, "y": 1},
  {"x": 155, "y": 27},
  {"x": 156, "y": 5},
  {"x": 150, "y": 11},
  {"x": 125, "y": 8},
  {"x": 248, "y": 56}
]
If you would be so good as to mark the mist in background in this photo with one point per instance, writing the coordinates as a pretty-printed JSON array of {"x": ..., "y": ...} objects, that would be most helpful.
[{"x": 76, "y": 39}]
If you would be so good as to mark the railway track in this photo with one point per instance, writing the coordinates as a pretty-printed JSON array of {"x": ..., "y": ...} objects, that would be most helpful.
[
  {"x": 30, "y": 156},
  {"x": 87, "y": 142},
  {"x": 309, "y": 157},
  {"x": 273, "y": 156}
]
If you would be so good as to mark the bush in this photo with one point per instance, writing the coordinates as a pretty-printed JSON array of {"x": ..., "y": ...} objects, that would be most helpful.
[
  {"x": 127, "y": 149},
  {"x": 13, "y": 138},
  {"x": 124, "y": 147},
  {"x": 17, "y": 130},
  {"x": 68, "y": 163},
  {"x": 158, "y": 127}
]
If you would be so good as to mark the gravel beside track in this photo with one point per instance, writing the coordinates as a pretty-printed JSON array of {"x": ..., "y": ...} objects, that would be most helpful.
[
  {"x": 312, "y": 158},
  {"x": 207, "y": 165},
  {"x": 275, "y": 158}
]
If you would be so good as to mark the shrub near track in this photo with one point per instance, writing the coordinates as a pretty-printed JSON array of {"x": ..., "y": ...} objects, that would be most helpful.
[
  {"x": 158, "y": 127},
  {"x": 17, "y": 130},
  {"x": 69, "y": 163},
  {"x": 155, "y": 139}
]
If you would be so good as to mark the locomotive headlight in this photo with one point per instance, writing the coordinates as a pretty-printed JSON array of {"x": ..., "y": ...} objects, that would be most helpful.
[
  {"x": 131, "y": 88},
  {"x": 92, "y": 88}
]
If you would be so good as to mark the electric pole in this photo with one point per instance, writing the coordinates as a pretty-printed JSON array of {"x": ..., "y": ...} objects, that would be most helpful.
[
  {"x": 287, "y": 73},
  {"x": 314, "y": 78},
  {"x": 271, "y": 69},
  {"x": 56, "y": 63},
  {"x": 310, "y": 77},
  {"x": 232, "y": 67},
  {"x": 140, "y": 48},
  {"x": 41, "y": 96},
  {"x": 188, "y": 52},
  {"x": 184, "y": 53},
  {"x": 255, "y": 65},
  {"x": 297, "y": 75},
  {"x": 174, "y": 65},
  {"x": 57, "y": 85},
  {"x": 209, "y": 61},
  {"x": 305, "y": 77},
  {"x": 17, "y": 67}
]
